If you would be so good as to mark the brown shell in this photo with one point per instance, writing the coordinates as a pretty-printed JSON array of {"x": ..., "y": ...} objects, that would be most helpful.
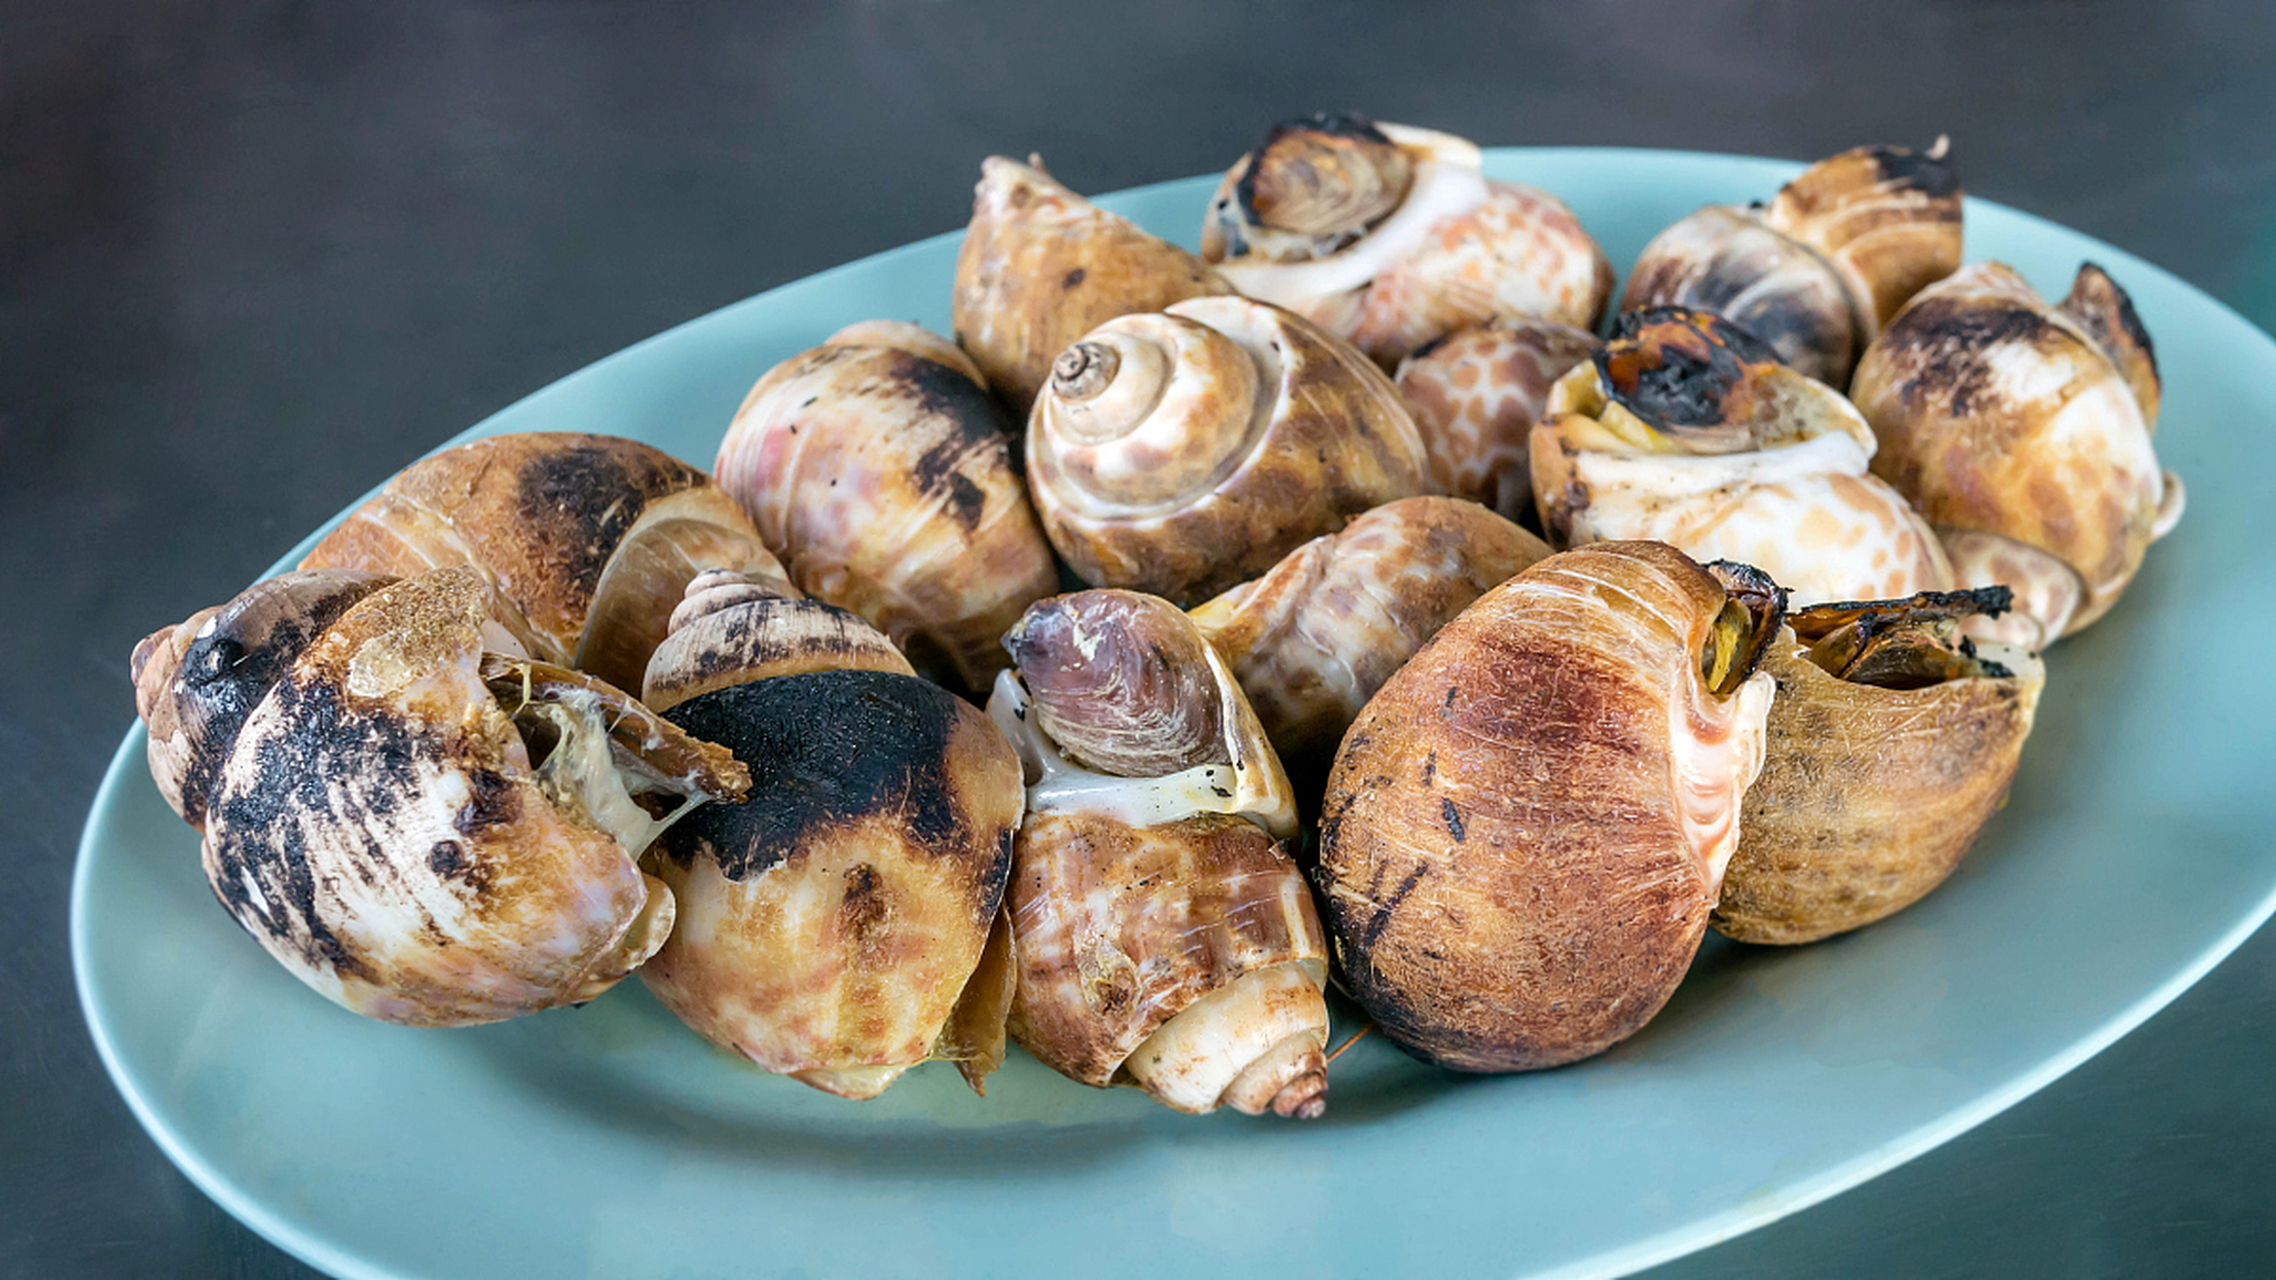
[
  {"x": 730, "y": 631},
  {"x": 1869, "y": 797},
  {"x": 1723, "y": 259},
  {"x": 2000, "y": 414},
  {"x": 881, "y": 474},
  {"x": 831, "y": 924},
  {"x": 1120, "y": 928},
  {"x": 1887, "y": 218},
  {"x": 195, "y": 682},
  {"x": 1182, "y": 452},
  {"x": 587, "y": 541},
  {"x": 1315, "y": 637},
  {"x": 1476, "y": 394},
  {"x": 1525, "y": 829},
  {"x": 1041, "y": 267},
  {"x": 380, "y": 831}
]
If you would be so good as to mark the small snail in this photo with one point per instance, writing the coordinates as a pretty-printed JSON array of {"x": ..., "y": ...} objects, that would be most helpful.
[
  {"x": 1892, "y": 739},
  {"x": 1315, "y": 637},
  {"x": 585, "y": 540},
  {"x": 1823, "y": 267},
  {"x": 1163, "y": 937},
  {"x": 1180, "y": 452},
  {"x": 1476, "y": 394},
  {"x": 1527, "y": 826},
  {"x": 2022, "y": 431},
  {"x": 1687, "y": 430},
  {"x": 878, "y": 467},
  {"x": 421, "y": 829},
  {"x": 842, "y": 924},
  {"x": 1390, "y": 236},
  {"x": 1041, "y": 267}
]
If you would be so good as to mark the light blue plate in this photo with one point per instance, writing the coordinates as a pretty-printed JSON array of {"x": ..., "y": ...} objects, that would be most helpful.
[{"x": 610, "y": 1142}]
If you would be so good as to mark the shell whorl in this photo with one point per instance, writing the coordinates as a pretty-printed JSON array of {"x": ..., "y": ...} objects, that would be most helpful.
[
  {"x": 1148, "y": 410},
  {"x": 1887, "y": 218},
  {"x": 732, "y": 628}
]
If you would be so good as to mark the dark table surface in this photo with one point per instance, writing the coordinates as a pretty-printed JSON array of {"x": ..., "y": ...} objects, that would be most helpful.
[{"x": 254, "y": 257}]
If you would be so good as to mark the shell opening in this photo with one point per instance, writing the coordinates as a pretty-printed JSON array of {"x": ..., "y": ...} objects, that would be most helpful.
[
  {"x": 1753, "y": 608},
  {"x": 1911, "y": 643}
]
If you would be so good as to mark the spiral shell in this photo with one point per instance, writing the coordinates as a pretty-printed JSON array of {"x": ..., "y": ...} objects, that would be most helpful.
[
  {"x": 1182, "y": 452},
  {"x": 1818, "y": 272},
  {"x": 879, "y": 469},
  {"x": 2010, "y": 419},
  {"x": 1041, "y": 267},
  {"x": 1686, "y": 430},
  {"x": 585, "y": 540},
  {"x": 1476, "y": 394},
  {"x": 1891, "y": 741},
  {"x": 1390, "y": 236},
  {"x": 1315, "y": 637},
  {"x": 1527, "y": 827},
  {"x": 1163, "y": 937},
  {"x": 842, "y": 924},
  {"x": 430, "y": 834}
]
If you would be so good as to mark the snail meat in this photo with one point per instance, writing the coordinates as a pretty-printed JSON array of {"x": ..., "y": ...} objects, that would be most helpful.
[
  {"x": 1526, "y": 828},
  {"x": 878, "y": 468},
  {"x": 1162, "y": 935}
]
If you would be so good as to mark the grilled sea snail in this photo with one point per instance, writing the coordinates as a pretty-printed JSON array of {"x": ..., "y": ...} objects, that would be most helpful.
[
  {"x": 841, "y": 925},
  {"x": 1041, "y": 267},
  {"x": 1476, "y": 394},
  {"x": 2022, "y": 431},
  {"x": 1688, "y": 431},
  {"x": 878, "y": 467},
  {"x": 1181, "y": 452},
  {"x": 1315, "y": 637},
  {"x": 1527, "y": 827},
  {"x": 1163, "y": 937},
  {"x": 425, "y": 830},
  {"x": 1818, "y": 272},
  {"x": 585, "y": 540},
  {"x": 1892, "y": 739},
  {"x": 1391, "y": 235}
]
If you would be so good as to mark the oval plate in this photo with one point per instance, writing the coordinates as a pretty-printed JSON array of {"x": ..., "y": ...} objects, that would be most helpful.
[{"x": 608, "y": 1141}]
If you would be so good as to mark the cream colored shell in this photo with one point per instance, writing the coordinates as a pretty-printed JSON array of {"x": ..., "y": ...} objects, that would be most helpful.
[{"x": 1475, "y": 395}]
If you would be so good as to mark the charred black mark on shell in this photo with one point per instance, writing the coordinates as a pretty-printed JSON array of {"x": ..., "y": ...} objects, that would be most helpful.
[
  {"x": 1346, "y": 124},
  {"x": 863, "y": 908},
  {"x": 1905, "y": 167},
  {"x": 492, "y": 801},
  {"x": 1453, "y": 817},
  {"x": 1072, "y": 278},
  {"x": 1662, "y": 380},
  {"x": 1944, "y": 342},
  {"x": 827, "y": 749},
  {"x": 583, "y": 497},
  {"x": 1380, "y": 919},
  {"x": 1430, "y": 767}
]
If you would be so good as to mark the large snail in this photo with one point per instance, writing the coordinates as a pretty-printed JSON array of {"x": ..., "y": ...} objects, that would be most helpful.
[
  {"x": 878, "y": 467},
  {"x": 1820, "y": 270},
  {"x": 423, "y": 828},
  {"x": 1527, "y": 827},
  {"x": 586, "y": 541},
  {"x": 1476, "y": 394},
  {"x": 1687, "y": 430},
  {"x": 1180, "y": 452},
  {"x": 1315, "y": 636},
  {"x": 841, "y": 925},
  {"x": 2022, "y": 431},
  {"x": 1041, "y": 267},
  {"x": 1391, "y": 235},
  {"x": 1891, "y": 741},
  {"x": 1163, "y": 937}
]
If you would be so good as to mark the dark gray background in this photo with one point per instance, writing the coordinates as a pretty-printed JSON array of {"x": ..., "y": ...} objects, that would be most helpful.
[{"x": 254, "y": 257}]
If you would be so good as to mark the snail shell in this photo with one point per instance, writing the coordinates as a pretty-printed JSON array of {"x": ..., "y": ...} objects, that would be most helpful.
[
  {"x": 1041, "y": 267},
  {"x": 837, "y": 925},
  {"x": 1315, "y": 637},
  {"x": 586, "y": 540},
  {"x": 878, "y": 467},
  {"x": 195, "y": 682},
  {"x": 1476, "y": 394},
  {"x": 1890, "y": 743},
  {"x": 1818, "y": 272},
  {"x": 1178, "y": 453},
  {"x": 2029, "y": 426},
  {"x": 430, "y": 834},
  {"x": 1526, "y": 828},
  {"x": 1687, "y": 430},
  {"x": 1390, "y": 236},
  {"x": 1163, "y": 937}
]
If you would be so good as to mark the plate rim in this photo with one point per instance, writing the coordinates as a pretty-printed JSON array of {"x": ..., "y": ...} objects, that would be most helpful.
[{"x": 1745, "y": 1215}]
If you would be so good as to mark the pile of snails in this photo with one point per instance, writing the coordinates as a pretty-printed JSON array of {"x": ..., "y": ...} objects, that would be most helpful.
[{"x": 1427, "y": 643}]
